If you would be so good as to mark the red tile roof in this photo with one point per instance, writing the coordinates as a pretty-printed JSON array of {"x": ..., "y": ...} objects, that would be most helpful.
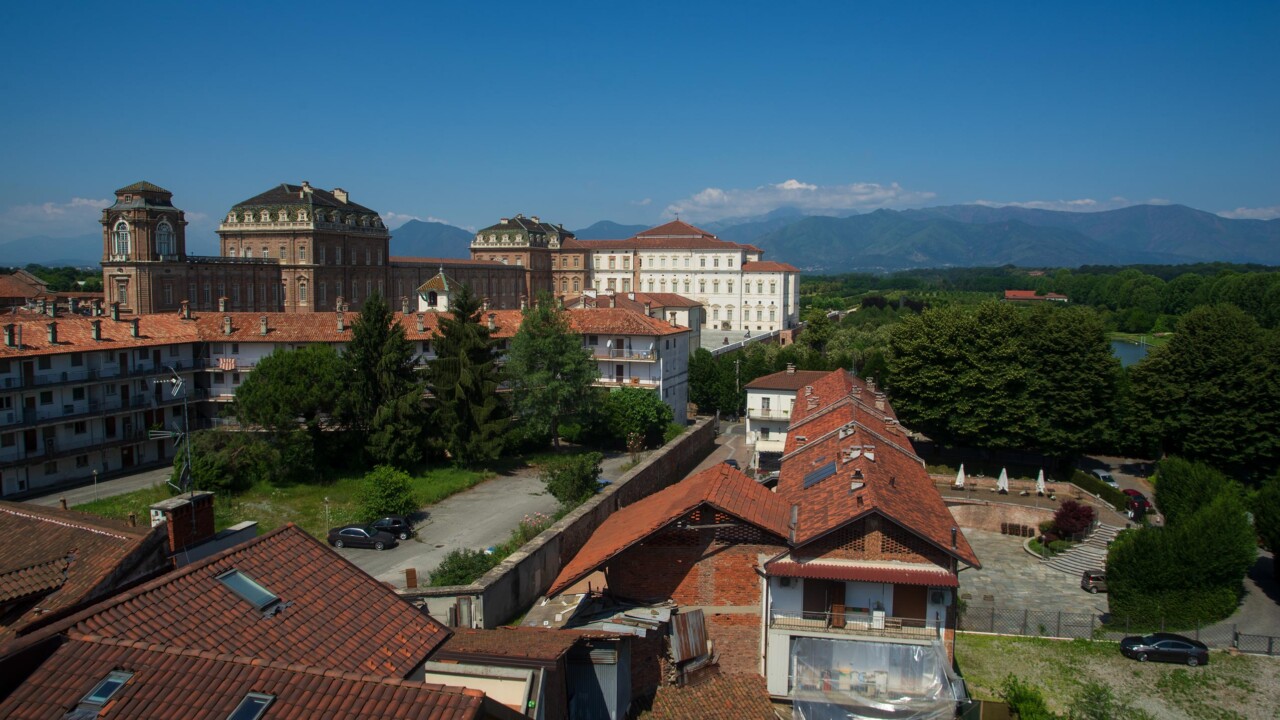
[
  {"x": 786, "y": 380},
  {"x": 667, "y": 300},
  {"x": 839, "y": 571},
  {"x": 619, "y": 321},
  {"x": 75, "y": 333},
  {"x": 721, "y": 486},
  {"x": 15, "y": 286},
  {"x": 65, "y": 555},
  {"x": 512, "y": 642},
  {"x": 768, "y": 266},
  {"x": 741, "y": 697},
  {"x": 675, "y": 228},
  {"x": 895, "y": 481},
  {"x": 331, "y": 614},
  {"x": 1031, "y": 295},
  {"x": 176, "y": 682}
]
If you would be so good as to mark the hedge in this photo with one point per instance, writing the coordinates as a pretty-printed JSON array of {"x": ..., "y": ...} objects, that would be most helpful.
[{"x": 1089, "y": 483}]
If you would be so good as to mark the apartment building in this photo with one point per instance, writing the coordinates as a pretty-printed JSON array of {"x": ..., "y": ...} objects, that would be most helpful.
[{"x": 769, "y": 402}]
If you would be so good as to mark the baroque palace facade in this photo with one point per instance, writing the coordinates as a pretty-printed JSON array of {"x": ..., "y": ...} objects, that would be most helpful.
[{"x": 298, "y": 248}]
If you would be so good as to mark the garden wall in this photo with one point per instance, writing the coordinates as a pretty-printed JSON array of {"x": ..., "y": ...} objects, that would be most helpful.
[
  {"x": 525, "y": 575},
  {"x": 988, "y": 516}
]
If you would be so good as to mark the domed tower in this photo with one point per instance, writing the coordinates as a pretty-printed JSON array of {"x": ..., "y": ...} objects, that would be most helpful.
[{"x": 144, "y": 250}]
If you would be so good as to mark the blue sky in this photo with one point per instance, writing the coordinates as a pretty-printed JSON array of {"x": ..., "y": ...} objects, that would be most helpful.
[{"x": 578, "y": 112}]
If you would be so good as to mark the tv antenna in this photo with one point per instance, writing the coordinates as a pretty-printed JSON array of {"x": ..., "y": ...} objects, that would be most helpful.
[{"x": 181, "y": 435}]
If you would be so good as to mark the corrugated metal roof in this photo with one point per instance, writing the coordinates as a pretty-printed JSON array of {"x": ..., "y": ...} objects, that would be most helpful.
[{"x": 688, "y": 635}]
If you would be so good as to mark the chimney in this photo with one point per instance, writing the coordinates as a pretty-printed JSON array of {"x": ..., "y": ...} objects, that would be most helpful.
[
  {"x": 115, "y": 311},
  {"x": 954, "y": 530},
  {"x": 185, "y": 310},
  {"x": 306, "y": 188},
  {"x": 133, "y": 327},
  {"x": 879, "y": 401},
  {"x": 524, "y": 303},
  {"x": 791, "y": 368},
  {"x": 485, "y": 305},
  {"x": 795, "y": 520},
  {"x": 189, "y": 518},
  {"x": 222, "y": 304},
  {"x": 53, "y": 333},
  {"x": 262, "y": 324},
  {"x": 504, "y": 221},
  {"x": 133, "y": 519},
  {"x": 404, "y": 304},
  {"x": 96, "y": 328},
  {"x": 422, "y": 328},
  {"x": 535, "y": 219},
  {"x": 648, "y": 308},
  {"x": 871, "y": 384},
  {"x": 342, "y": 322},
  {"x": 226, "y": 325},
  {"x": 341, "y": 195},
  {"x": 62, "y": 502},
  {"x": 492, "y": 325},
  {"x": 10, "y": 335},
  {"x": 97, "y": 307}
]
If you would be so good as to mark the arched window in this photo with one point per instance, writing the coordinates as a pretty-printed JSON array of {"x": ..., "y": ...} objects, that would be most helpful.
[
  {"x": 302, "y": 293},
  {"x": 432, "y": 299},
  {"x": 165, "y": 242},
  {"x": 121, "y": 238}
]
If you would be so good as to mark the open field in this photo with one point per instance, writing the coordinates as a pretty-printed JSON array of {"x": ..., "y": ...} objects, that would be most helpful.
[
  {"x": 315, "y": 508},
  {"x": 1243, "y": 686}
]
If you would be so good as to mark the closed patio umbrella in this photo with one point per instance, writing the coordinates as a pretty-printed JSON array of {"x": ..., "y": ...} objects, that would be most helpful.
[
  {"x": 1003, "y": 483},
  {"x": 960, "y": 477}
]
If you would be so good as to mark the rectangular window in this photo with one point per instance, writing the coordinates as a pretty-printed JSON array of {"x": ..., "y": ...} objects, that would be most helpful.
[
  {"x": 77, "y": 394},
  {"x": 46, "y": 397},
  {"x": 613, "y": 263},
  {"x": 284, "y": 252},
  {"x": 730, "y": 261},
  {"x": 82, "y": 461},
  {"x": 235, "y": 378},
  {"x": 324, "y": 293},
  {"x": 248, "y": 589},
  {"x": 302, "y": 294},
  {"x": 219, "y": 379},
  {"x": 173, "y": 351},
  {"x": 8, "y": 440},
  {"x": 366, "y": 257},
  {"x": 320, "y": 250},
  {"x": 302, "y": 254},
  {"x": 377, "y": 255},
  {"x": 208, "y": 294},
  {"x": 44, "y": 362},
  {"x": 77, "y": 359},
  {"x": 168, "y": 294},
  {"x": 80, "y": 427},
  {"x": 626, "y": 262},
  {"x": 337, "y": 256},
  {"x": 235, "y": 348},
  {"x": 702, "y": 262}
]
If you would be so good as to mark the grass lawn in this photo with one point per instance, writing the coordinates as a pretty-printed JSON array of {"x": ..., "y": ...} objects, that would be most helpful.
[
  {"x": 1243, "y": 686},
  {"x": 304, "y": 505}
]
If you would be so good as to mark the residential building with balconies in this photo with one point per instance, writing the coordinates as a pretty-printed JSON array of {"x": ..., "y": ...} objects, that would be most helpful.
[{"x": 769, "y": 402}]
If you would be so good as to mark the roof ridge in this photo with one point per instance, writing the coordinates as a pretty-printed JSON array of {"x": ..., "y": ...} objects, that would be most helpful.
[{"x": 118, "y": 535}]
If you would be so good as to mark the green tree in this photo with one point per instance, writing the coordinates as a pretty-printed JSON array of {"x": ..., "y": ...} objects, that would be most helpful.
[
  {"x": 462, "y": 566},
  {"x": 383, "y": 395},
  {"x": 1025, "y": 700},
  {"x": 227, "y": 461},
  {"x": 572, "y": 479},
  {"x": 387, "y": 491},
  {"x": 464, "y": 380},
  {"x": 1097, "y": 701},
  {"x": 1073, "y": 379},
  {"x": 1184, "y": 487},
  {"x": 550, "y": 372},
  {"x": 290, "y": 389},
  {"x": 636, "y": 411},
  {"x": 1213, "y": 392},
  {"x": 1266, "y": 513}
]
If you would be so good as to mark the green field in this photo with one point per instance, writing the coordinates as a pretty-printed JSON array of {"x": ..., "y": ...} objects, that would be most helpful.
[
  {"x": 315, "y": 508},
  {"x": 1241, "y": 686}
]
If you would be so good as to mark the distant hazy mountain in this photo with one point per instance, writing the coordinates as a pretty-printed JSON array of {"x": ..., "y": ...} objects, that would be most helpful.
[
  {"x": 609, "y": 230},
  {"x": 418, "y": 238},
  {"x": 80, "y": 251}
]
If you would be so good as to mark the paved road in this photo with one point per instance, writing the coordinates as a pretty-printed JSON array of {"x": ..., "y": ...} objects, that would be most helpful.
[{"x": 105, "y": 488}]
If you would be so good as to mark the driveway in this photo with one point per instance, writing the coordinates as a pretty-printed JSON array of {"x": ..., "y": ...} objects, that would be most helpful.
[
  {"x": 105, "y": 488},
  {"x": 1011, "y": 580}
]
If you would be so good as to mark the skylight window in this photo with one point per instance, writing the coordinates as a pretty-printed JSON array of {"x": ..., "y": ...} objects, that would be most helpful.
[
  {"x": 822, "y": 473},
  {"x": 104, "y": 690},
  {"x": 251, "y": 707},
  {"x": 245, "y": 587}
]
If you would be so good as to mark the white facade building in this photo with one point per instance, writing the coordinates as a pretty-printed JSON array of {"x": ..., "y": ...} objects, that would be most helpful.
[{"x": 770, "y": 400}]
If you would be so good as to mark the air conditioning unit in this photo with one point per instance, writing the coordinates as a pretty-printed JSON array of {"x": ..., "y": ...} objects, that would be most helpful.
[{"x": 937, "y": 597}]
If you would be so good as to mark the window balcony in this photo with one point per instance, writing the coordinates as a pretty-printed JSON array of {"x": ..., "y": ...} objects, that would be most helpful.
[
  {"x": 851, "y": 622},
  {"x": 623, "y": 354},
  {"x": 768, "y": 414},
  {"x": 624, "y": 381}
]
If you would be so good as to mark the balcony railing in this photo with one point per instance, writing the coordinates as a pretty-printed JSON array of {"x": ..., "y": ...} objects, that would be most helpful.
[
  {"x": 624, "y": 354},
  {"x": 768, "y": 413},
  {"x": 857, "y": 623},
  {"x": 615, "y": 381}
]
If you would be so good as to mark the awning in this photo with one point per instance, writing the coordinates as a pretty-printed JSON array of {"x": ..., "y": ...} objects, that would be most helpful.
[{"x": 864, "y": 573}]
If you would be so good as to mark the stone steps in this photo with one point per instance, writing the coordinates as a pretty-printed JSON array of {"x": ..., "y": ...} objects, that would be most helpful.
[{"x": 1088, "y": 555}]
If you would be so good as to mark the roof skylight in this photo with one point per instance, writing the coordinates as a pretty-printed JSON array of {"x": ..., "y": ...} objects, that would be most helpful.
[
  {"x": 245, "y": 587},
  {"x": 251, "y": 707}
]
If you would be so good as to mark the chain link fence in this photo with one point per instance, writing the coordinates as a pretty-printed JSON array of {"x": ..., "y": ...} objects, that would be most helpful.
[{"x": 1091, "y": 626}]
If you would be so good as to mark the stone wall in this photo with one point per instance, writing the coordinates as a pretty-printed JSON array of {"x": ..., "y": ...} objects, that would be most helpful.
[
  {"x": 522, "y": 578},
  {"x": 988, "y": 516}
]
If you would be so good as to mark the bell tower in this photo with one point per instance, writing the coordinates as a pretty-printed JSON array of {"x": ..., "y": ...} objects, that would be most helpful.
[{"x": 144, "y": 250}]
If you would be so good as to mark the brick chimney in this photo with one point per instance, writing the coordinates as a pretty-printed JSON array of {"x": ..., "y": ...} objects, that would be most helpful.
[
  {"x": 226, "y": 325},
  {"x": 421, "y": 325},
  {"x": 341, "y": 195},
  {"x": 189, "y": 517},
  {"x": 342, "y": 322},
  {"x": 53, "y": 333},
  {"x": 492, "y": 324},
  {"x": 791, "y": 368}
]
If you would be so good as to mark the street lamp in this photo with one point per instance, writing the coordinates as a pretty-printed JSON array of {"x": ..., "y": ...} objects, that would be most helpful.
[{"x": 95, "y": 484}]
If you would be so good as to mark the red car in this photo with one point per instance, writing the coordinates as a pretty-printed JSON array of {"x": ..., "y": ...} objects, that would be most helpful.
[{"x": 1138, "y": 504}]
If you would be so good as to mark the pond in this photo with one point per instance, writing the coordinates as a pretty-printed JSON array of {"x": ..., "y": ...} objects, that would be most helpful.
[{"x": 1128, "y": 352}]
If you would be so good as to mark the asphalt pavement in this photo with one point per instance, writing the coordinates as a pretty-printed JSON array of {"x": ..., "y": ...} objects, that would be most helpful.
[{"x": 103, "y": 489}]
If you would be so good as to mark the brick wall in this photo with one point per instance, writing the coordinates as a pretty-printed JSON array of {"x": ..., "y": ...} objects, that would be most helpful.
[
  {"x": 989, "y": 516},
  {"x": 737, "y": 640},
  {"x": 706, "y": 574},
  {"x": 875, "y": 538}
]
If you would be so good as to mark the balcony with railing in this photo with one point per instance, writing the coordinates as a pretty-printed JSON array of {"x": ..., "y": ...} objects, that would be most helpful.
[
  {"x": 854, "y": 622},
  {"x": 624, "y": 354},
  {"x": 768, "y": 413},
  {"x": 625, "y": 381}
]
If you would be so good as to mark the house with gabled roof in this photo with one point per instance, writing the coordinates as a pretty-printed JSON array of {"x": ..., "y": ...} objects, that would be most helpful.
[
  {"x": 847, "y": 573},
  {"x": 279, "y": 622}
]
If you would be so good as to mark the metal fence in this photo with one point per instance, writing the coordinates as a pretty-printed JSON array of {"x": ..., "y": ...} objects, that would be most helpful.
[{"x": 1092, "y": 626}]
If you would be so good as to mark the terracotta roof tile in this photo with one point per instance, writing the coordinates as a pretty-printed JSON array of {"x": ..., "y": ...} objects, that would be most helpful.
[
  {"x": 667, "y": 300},
  {"x": 74, "y": 333},
  {"x": 513, "y": 642},
  {"x": 286, "y": 194},
  {"x": 720, "y": 486},
  {"x": 786, "y": 381},
  {"x": 64, "y": 553},
  {"x": 178, "y": 682},
  {"x": 332, "y": 615},
  {"x": 768, "y": 266},
  {"x": 742, "y": 697}
]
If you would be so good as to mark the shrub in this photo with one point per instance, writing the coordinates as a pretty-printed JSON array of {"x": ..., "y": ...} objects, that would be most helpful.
[
  {"x": 674, "y": 430},
  {"x": 1046, "y": 527},
  {"x": 1072, "y": 518},
  {"x": 1096, "y": 701},
  {"x": 387, "y": 491},
  {"x": 1058, "y": 547},
  {"x": 1089, "y": 483},
  {"x": 1025, "y": 700},
  {"x": 572, "y": 479},
  {"x": 462, "y": 567},
  {"x": 228, "y": 461},
  {"x": 1185, "y": 487},
  {"x": 630, "y": 411}
]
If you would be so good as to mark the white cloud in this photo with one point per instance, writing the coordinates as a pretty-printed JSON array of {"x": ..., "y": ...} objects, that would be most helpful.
[
  {"x": 1244, "y": 213},
  {"x": 641, "y": 203},
  {"x": 715, "y": 203},
  {"x": 394, "y": 220},
  {"x": 1079, "y": 205},
  {"x": 77, "y": 216}
]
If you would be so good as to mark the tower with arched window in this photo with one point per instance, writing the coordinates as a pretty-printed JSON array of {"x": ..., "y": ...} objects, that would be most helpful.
[{"x": 144, "y": 250}]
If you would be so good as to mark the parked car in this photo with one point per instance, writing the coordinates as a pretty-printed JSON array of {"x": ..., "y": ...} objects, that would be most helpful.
[
  {"x": 1095, "y": 581},
  {"x": 396, "y": 525},
  {"x": 1105, "y": 477},
  {"x": 732, "y": 463},
  {"x": 361, "y": 536},
  {"x": 1165, "y": 647},
  {"x": 1138, "y": 504}
]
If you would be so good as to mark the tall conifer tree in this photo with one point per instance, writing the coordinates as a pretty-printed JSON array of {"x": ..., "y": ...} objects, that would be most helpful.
[
  {"x": 464, "y": 379},
  {"x": 551, "y": 373}
]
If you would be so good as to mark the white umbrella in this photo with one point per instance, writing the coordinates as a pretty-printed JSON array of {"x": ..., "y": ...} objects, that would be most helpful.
[
  {"x": 1040, "y": 482},
  {"x": 1003, "y": 483},
  {"x": 960, "y": 477}
]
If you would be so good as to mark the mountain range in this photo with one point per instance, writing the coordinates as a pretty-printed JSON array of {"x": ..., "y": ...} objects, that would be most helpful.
[{"x": 883, "y": 240}]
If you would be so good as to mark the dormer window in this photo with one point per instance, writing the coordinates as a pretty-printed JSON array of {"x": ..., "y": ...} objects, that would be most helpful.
[{"x": 121, "y": 238}]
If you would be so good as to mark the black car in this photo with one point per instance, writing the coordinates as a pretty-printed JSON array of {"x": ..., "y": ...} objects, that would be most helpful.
[
  {"x": 361, "y": 536},
  {"x": 1165, "y": 647},
  {"x": 396, "y": 525}
]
